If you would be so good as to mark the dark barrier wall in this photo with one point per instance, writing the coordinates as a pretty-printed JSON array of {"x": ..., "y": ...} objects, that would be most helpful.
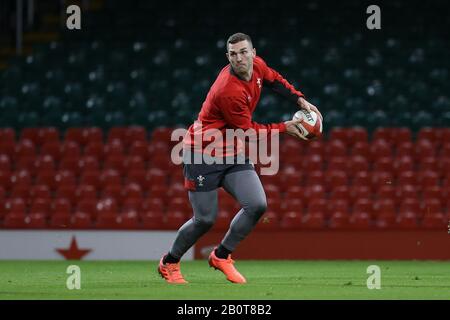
[{"x": 401, "y": 245}]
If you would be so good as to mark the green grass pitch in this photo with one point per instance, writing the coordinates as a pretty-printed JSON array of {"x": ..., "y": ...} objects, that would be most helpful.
[{"x": 266, "y": 280}]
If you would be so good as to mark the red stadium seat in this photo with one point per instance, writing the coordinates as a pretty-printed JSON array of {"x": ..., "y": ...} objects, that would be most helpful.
[
  {"x": 433, "y": 192},
  {"x": 268, "y": 221},
  {"x": 361, "y": 149},
  {"x": 316, "y": 177},
  {"x": 87, "y": 206},
  {"x": 407, "y": 220},
  {"x": 382, "y": 133},
  {"x": 384, "y": 211},
  {"x": 15, "y": 213},
  {"x": 314, "y": 192},
  {"x": 20, "y": 178},
  {"x": 380, "y": 148},
  {"x": 407, "y": 178},
  {"x": 138, "y": 177},
  {"x": 132, "y": 190},
  {"x": 312, "y": 162},
  {"x": 435, "y": 220},
  {"x": 363, "y": 205},
  {"x": 431, "y": 206},
  {"x": 336, "y": 178},
  {"x": 60, "y": 220},
  {"x": 161, "y": 134},
  {"x": 92, "y": 134},
  {"x": 40, "y": 191},
  {"x": 357, "y": 164},
  {"x": 61, "y": 207},
  {"x": 70, "y": 149},
  {"x": 135, "y": 163},
  {"x": 291, "y": 220},
  {"x": 153, "y": 204},
  {"x": 128, "y": 220},
  {"x": 406, "y": 191},
  {"x": 153, "y": 219},
  {"x": 424, "y": 149},
  {"x": 340, "y": 193},
  {"x": 52, "y": 149},
  {"x": 384, "y": 164},
  {"x": 336, "y": 148},
  {"x": 313, "y": 220},
  {"x": 70, "y": 164},
  {"x": 362, "y": 179},
  {"x": 48, "y": 134},
  {"x": 316, "y": 147},
  {"x": 338, "y": 133},
  {"x": 117, "y": 133},
  {"x": 45, "y": 162},
  {"x": 404, "y": 163},
  {"x": 36, "y": 220},
  {"x": 338, "y": 163},
  {"x": 339, "y": 220},
  {"x": 85, "y": 191},
  {"x": 139, "y": 149},
  {"x": 74, "y": 135},
  {"x": 31, "y": 134},
  {"x": 113, "y": 191},
  {"x": 80, "y": 220},
  {"x": 95, "y": 149},
  {"x": 88, "y": 163},
  {"x": 156, "y": 176},
  {"x": 175, "y": 219},
  {"x": 290, "y": 178},
  {"x": 381, "y": 178},
  {"x": 7, "y": 135},
  {"x": 107, "y": 210},
  {"x": 405, "y": 149},
  {"x": 113, "y": 148},
  {"x": 295, "y": 205},
  {"x": 90, "y": 177},
  {"x": 318, "y": 205},
  {"x": 428, "y": 163},
  {"x": 158, "y": 192},
  {"x": 132, "y": 204},
  {"x": 5, "y": 163},
  {"x": 357, "y": 134},
  {"x": 360, "y": 220},
  {"x": 110, "y": 177},
  {"x": 65, "y": 178},
  {"x": 67, "y": 192},
  {"x": 135, "y": 133},
  {"x": 401, "y": 135}
]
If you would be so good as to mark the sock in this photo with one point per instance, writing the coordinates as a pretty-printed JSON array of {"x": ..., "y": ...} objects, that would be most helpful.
[
  {"x": 170, "y": 259},
  {"x": 221, "y": 252}
]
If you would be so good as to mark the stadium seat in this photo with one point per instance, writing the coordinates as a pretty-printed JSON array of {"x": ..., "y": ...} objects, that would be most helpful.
[
  {"x": 313, "y": 220},
  {"x": 175, "y": 219},
  {"x": 291, "y": 220},
  {"x": 153, "y": 219}
]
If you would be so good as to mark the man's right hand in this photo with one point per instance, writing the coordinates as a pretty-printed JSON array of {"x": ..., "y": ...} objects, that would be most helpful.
[{"x": 292, "y": 129}]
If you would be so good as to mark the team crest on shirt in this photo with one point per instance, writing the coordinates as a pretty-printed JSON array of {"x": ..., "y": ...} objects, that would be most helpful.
[
  {"x": 200, "y": 179},
  {"x": 258, "y": 82}
]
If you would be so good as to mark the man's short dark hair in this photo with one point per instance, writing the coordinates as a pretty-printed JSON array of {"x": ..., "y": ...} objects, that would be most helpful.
[{"x": 238, "y": 37}]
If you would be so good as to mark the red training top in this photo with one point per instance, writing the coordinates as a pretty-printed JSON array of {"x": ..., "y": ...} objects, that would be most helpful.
[{"x": 230, "y": 104}]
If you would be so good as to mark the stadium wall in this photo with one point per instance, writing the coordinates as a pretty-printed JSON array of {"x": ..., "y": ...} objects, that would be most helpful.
[
  {"x": 334, "y": 244},
  {"x": 101, "y": 245},
  {"x": 260, "y": 244}
]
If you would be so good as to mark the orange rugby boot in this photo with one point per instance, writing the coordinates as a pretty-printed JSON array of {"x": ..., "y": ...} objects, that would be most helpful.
[
  {"x": 227, "y": 267},
  {"x": 171, "y": 272}
]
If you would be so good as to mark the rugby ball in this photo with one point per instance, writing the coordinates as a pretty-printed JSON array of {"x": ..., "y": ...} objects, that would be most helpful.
[{"x": 311, "y": 127}]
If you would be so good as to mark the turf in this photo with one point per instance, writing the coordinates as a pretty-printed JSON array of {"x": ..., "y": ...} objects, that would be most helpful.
[{"x": 266, "y": 280}]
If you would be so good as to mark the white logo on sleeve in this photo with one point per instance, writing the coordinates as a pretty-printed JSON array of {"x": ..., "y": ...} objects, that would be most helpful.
[
  {"x": 200, "y": 179},
  {"x": 258, "y": 82}
]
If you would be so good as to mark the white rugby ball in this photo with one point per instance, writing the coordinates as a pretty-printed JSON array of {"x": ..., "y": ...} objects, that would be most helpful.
[{"x": 311, "y": 127}]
